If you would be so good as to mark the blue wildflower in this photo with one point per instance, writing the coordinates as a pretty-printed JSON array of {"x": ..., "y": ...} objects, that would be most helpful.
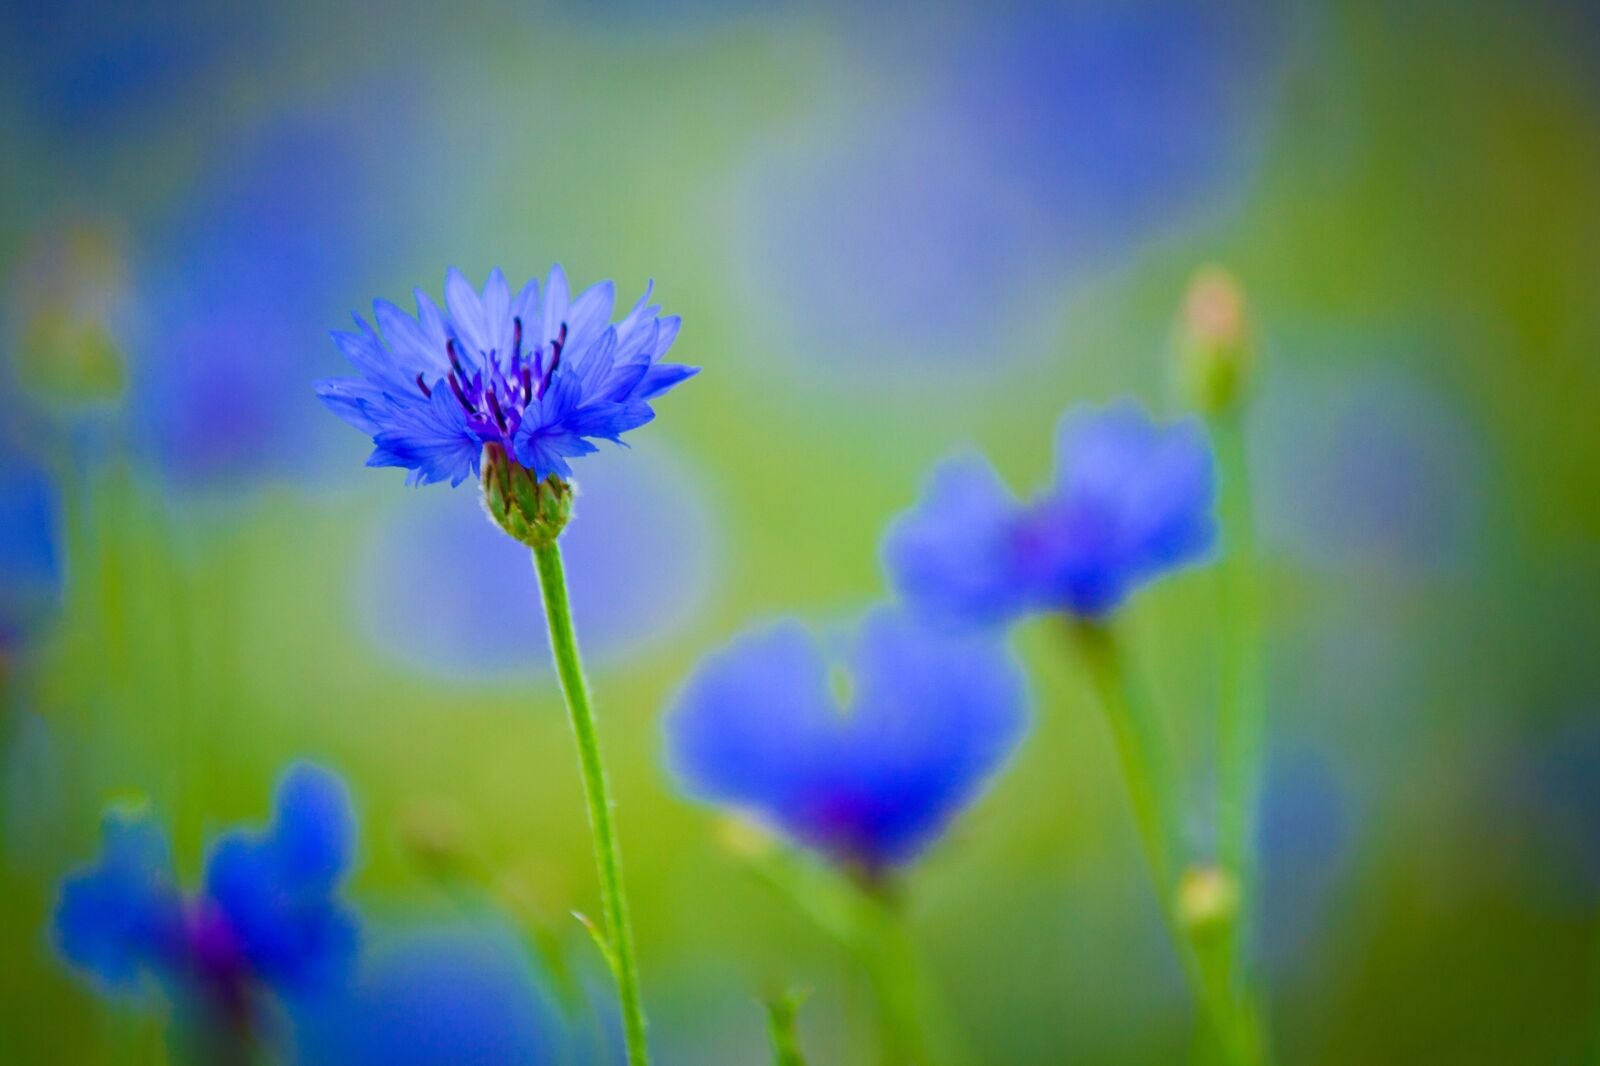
[
  {"x": 221, "y": 400},
  {"x": 1131, "y": 500},
  {"x": 268, "y": 918},
  {"x": 124, "y": 915},
  {"x": 1025, "y": 141},
  {"x": 539, "y": 380},
  {"x": 933, "y": 715}
]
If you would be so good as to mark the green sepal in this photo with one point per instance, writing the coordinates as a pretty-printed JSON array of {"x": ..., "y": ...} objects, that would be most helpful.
[{"x": 532, "y": 512}]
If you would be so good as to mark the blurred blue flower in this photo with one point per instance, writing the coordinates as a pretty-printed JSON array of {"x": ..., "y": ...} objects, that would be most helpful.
[
  {"x": 638, "y": 551},
  {"x": 973, "y": 162},
  {"x": 1303, "y": 840},
  {"x": 1367, "y": 469},
  {"x": 237, "y": 279},
  {"x": 124, "y": 915},
  {"x": 540, "y": 379},
  {"x": 268, "y": 918},
  {"x": 454, "y": 995},
  {"x": 30, "y": 549},
  {"x": 932, "y": 716},
  {"x": 89, "y": 67},
  {"x": 1131, "y": 500}
]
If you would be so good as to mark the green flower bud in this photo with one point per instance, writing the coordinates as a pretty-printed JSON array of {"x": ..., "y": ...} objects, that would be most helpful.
[
  {"x": 434, "y": 833},
  {"x": 64, "y": 296},
  {"x": 1208, "y": 899},
  {"x": 532, "y": 512},
  {"x": 1215, "y": 349}
]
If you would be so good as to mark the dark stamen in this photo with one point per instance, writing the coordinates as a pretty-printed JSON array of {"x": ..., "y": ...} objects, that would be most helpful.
[
  {"x": 494, "y": 407},
  {"x": 423, "y": 385},
  {"x": 527, "y": 385},
  {"x": 516, "y": 339},
  {"x": 461, "y": 397},
  {"x": 555, "y": 359},
  {"x": 455, "y": 361}
]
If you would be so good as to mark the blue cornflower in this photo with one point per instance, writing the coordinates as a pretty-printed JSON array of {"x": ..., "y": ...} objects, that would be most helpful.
[
  {"x": 932, "y": 716},
  {"x": 536, "y": 380},
  {"x": 268, "y": 917},
  {"x": 1131, "y": 500}
]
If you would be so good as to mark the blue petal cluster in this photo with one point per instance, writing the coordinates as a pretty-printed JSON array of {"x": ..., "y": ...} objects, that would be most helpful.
[
  {"x": 543, "y": 378},
  {"x": 933, "y": 714},
  {"x": 269, "y": 915},
  {"x": 1131, "y": 500}
]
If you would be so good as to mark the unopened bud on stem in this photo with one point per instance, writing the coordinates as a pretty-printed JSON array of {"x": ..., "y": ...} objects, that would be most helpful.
[
  {"x": 1215, "y": 348},
  {"x": 1208, "y": 898},
  {"x": 533, "y": 512}
]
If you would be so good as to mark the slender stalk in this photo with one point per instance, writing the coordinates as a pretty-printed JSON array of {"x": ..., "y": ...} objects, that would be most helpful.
[
  {"x": 862, "y": 916},
  {"x": 1241, "y": 722},
  {"x": 608, "y": 856},
  {"x": 1150, "y": 774},
  {"x": 1242, "y": 713},
  {"x": 781, "y": 1028},
  {"x": 890, "y": 960}
]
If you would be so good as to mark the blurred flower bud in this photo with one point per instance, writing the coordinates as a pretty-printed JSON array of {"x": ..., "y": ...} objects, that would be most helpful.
[
  {"x": 1208, "y": 899},
  {"x": 1215, "y": 349},
  {"x": 532, "y": 889},
  {"x": 65, "y": 296},
  {"x": 532, "y": 512},
  {"x": 433, "y": 832}
]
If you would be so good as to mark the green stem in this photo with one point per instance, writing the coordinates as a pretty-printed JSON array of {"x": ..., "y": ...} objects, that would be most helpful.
[
  {"x": 1151, "y": 776},
  {"x": 1148, "y": 769},
  {"x": 608, "y": 857},
  {"x": 1242, "y": 717},
  {"x": 1241, "y": 722},
  {"x": 890, "y": 960},
  {"x": 863, "y": 918},
  {"x": 781, "y": 1028}
]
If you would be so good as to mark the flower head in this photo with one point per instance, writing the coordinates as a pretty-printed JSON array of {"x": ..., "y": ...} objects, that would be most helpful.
[
  {"x": 932, "y": 716},
  {"x": 1131, "y": 500},
  {"x": 534, "y": 377},
  {"x": 268, "y": 917}
]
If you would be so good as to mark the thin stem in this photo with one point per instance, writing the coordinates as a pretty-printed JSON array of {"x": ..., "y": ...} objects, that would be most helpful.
[
  {"x": 1242, "y": 714},
  {"x": 1148, "y": 768},
  {"x": 781, "y": 1028},
  {"x": 1241, "y": 722},
  {"x": 914, "y": 1029},
  {"x": 1151, "y": 776},
  {"x": 608, "y": 856},
  {"x": 890, "y": 960}
]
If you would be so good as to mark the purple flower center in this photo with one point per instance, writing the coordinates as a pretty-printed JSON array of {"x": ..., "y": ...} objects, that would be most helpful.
[
  {"x": 217, "y": 956},
  {"x": 495, "y": 396}
]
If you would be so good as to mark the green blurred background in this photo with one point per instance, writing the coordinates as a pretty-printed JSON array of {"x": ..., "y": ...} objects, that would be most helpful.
[{"x": 891, "y": 231}]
